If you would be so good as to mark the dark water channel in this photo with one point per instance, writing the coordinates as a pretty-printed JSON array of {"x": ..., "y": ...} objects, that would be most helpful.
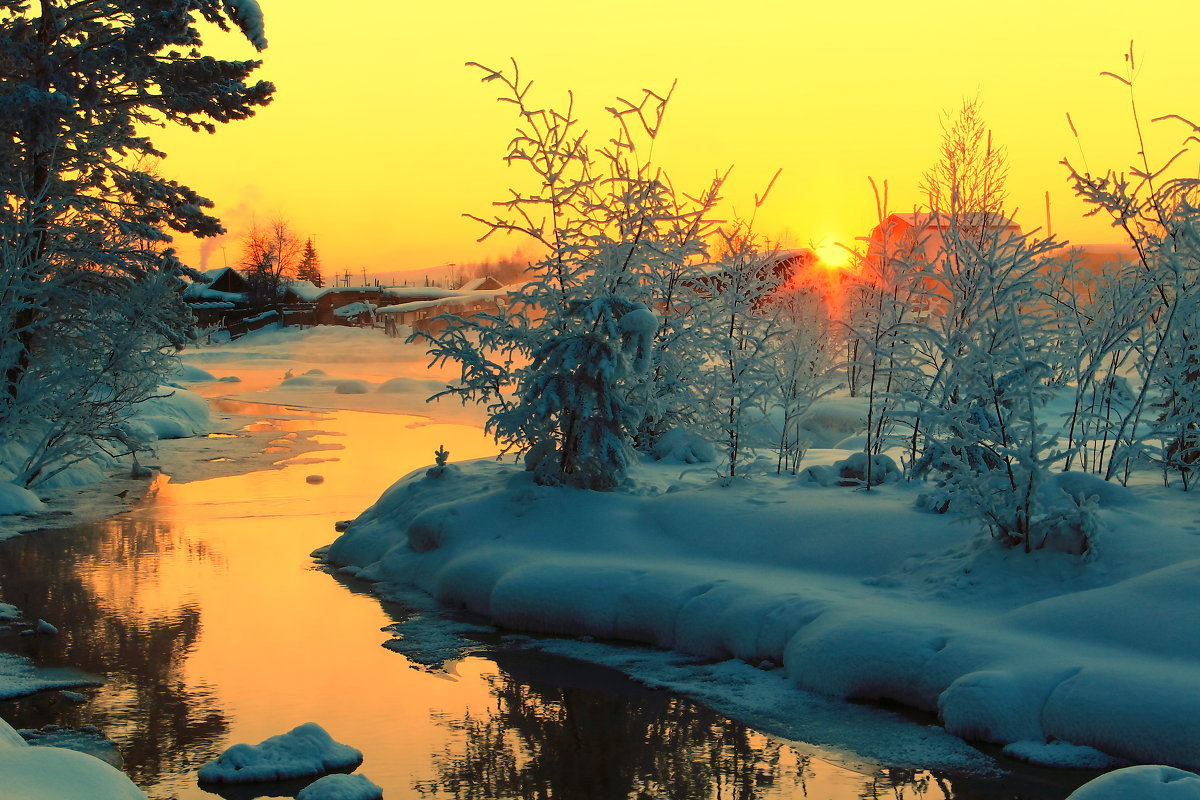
[{"x": 209, "y": 625}]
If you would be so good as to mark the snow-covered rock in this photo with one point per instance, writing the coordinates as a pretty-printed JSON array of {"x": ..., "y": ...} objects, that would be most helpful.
[
  {"x": 341, "y": 787},
  {"x": 1147, "y": 782},
  {"x": 301, "y": 752}
]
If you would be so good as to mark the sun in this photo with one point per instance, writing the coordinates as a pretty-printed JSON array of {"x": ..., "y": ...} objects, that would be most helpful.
[{"x": 832, "y": 254}]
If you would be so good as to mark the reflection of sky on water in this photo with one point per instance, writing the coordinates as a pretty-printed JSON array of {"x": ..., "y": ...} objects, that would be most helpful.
[{"x": 206, "y": 617}]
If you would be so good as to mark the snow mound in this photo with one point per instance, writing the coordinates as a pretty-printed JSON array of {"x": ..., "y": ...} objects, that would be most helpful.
[
  {"x": 352, "y": 386},
  {"x": 174, "y": 414},
  {"x": 829, "y": 422},
  {"x": 856, "y": 595},
  {"x": 54, "y": 773},
  {"x": 187, "y": 373},
  {"x": 1148, "y": 782},
  {"x": 341, "y": 787},
  {"x": 18, "y": 500},
  {"x": 304, "y": 751},
  {"x": 683, "y": 445},
  {"x": 1061, "y": 754}
]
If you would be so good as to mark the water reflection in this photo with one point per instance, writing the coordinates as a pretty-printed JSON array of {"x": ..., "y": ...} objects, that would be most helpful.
[
  {"x": 118, "y": 624},
  {"x": 593, "y": 736}
]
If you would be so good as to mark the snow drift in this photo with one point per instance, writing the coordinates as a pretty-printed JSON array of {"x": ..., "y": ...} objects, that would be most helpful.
[{"x": 855, "y": 594}]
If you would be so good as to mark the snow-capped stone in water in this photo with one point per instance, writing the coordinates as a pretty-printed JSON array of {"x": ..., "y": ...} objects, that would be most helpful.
[
  {"x": 352, "y": 386},
  {"x": 341, "y": 787},
  {"x": 45, "y": 627},
  {"x": 1147, "y": 782},
  {"x": 304, "y": 751}
]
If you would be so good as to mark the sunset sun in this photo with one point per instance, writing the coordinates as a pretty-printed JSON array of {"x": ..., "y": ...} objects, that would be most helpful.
[{"x": 832, "y": 254}]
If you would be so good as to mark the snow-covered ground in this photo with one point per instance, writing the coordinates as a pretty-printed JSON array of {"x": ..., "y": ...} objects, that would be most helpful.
[
  {"x": 786, "y": 589},
  {"x": 1065, "y": 660}
]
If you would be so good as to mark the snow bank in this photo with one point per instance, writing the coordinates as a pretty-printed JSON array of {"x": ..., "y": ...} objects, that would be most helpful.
[
  {"x": 1151, "y": 782},
  {"x": 18, "y": 500},
  {"x": 52, "y": 773},
  {"x": 301, "y": 752},
  {"x": 173, "y": 414},
  {"x": 341, "y": 787},
  {"x": 856, "y": 594}
]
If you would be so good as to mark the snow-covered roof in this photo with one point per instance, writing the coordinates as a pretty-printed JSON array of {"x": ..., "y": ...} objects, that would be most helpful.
[
  {"x": 353, "y": 309},
  {"x": 305, "y": 290},
  {"x": 454, "y": 301},
  {"x": 202, "y": 292},
  {"x": 924, "y": 219},
  {"x": 476, "y": 284},
  {"x": 420, "y": 291}
]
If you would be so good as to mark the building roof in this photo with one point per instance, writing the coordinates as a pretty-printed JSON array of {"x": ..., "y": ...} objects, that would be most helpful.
[
  {"x": 460, "y": 298},
  {"x": 928, "y": 219}
]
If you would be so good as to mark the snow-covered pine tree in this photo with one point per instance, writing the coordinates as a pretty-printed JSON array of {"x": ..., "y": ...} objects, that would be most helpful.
[
  {"x": 81, "y": 81},
  {"x": 309, "y": 268},
  {"x": 578, "y": 337}
]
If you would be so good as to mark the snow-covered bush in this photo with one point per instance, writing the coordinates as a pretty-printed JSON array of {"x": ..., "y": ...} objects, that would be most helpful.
[
  {"x": 571, "y": 367},
  {"x": 735, "y": 383},
  {"x": 1160, "y": 215}
]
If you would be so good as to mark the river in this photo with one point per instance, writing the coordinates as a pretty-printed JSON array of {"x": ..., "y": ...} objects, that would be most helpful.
[{"x": 209, "y": 624}]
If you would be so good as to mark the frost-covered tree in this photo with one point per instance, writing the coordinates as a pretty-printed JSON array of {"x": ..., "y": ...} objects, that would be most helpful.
[
  {"x": 802, "y": 359},
  {"x": 1159, "y": 213},
  {"x": 309, "y": 268},
  {"x": 81, "y": 84},
  {"x": 984, "y": 431},
  {"x": 983, "y": 348},
  {"x": 735, "y": 384},
  {"x": 562, "y": 367},
  {"x": 884, "y": 292},
  {"x": 970, "y": 174}
]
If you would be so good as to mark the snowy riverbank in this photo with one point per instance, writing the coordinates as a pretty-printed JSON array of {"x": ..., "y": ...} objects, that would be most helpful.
[{"x": 835, "y": 591}]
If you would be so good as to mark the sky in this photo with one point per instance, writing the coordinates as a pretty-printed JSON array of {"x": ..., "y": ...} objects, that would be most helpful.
[{"x": 380, "y": 138}]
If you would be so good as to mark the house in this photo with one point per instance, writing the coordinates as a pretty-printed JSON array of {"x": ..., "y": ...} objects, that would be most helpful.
[
  {"x": 219, "y": 296},
  {"x": 778, "y": 268},
  {"x": 401, "y": 319},
  {"x": 922, "y": 235}
]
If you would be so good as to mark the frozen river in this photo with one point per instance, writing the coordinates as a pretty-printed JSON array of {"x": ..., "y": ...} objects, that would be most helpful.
[{"x": 209, "y": 624}]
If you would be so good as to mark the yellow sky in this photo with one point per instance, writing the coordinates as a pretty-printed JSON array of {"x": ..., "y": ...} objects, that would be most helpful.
[{"x": 380, "y": 139}]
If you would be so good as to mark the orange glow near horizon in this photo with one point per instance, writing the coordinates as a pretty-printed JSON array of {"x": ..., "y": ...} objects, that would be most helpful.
[{"x": 379, "y": 139}]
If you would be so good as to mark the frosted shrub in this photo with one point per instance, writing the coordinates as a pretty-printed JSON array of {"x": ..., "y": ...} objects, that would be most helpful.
[
  {"x": 734, "y": 387},
  {"x": 1160, "y": 216},
  {"x": 801, "y": 358},
  {"x": 578, "y": 362}
]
